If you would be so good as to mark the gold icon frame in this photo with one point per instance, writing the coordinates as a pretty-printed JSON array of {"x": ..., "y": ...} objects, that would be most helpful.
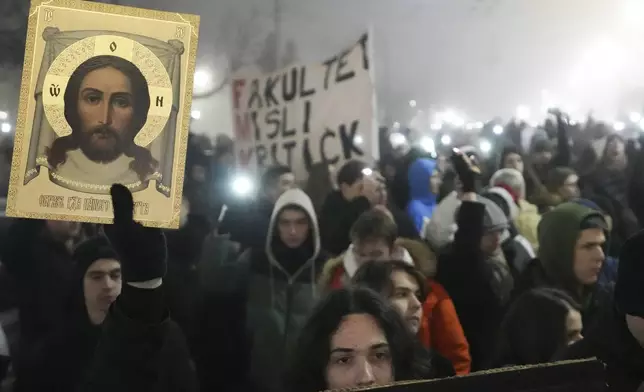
[{"x": 155, "y": 206}]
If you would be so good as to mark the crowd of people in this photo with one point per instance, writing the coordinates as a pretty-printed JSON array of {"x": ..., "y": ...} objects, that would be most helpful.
[{"x": 420, "y": 267}]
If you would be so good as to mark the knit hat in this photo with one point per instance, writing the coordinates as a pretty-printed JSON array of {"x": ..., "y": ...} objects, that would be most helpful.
[
  {"x": 86, "y": 253},
  {"x": 629, "y": 289},
  {"x": 511, "y": 180},
  {"x": 494, "y": 218},
  {"x": 89, "y": 251},
  {"x": 504, "y": 200},
  {"x": 511, "y": 192}
]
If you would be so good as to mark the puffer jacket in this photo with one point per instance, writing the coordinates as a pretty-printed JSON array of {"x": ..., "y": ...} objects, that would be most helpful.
[{"x": 527, "y": 222}]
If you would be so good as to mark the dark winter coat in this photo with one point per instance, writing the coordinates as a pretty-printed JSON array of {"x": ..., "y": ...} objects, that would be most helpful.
[
  {"x": 42, "y": 270},
  {"x": 470, "y": 280},
  {"x": 559, "y": 230},
  {"x": 610, "y": 341},
  {"x": 182, "y": 280},
  {"x": 141, "y": 348},
  {"x": 259, "y": 305}
]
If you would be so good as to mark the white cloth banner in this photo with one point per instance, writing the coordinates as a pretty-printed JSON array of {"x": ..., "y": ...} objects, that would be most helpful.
[{"x": 307, "y": 114}]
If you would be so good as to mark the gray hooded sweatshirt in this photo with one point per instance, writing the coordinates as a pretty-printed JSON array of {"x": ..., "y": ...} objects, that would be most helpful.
[{"x": 279, "y": 301}]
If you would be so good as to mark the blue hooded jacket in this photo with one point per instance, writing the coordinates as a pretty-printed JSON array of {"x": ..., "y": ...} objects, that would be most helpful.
[{"x": 421, "y": 199}]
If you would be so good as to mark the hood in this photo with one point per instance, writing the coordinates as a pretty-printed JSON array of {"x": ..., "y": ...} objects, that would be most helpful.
[
  {"x": 297, "y": 198},
  {"x": 328, "y": 272},
  {"x": 419, "y": 174},
  {"x": 558, "y": 233},
  {"x": 424, "y": 258}
]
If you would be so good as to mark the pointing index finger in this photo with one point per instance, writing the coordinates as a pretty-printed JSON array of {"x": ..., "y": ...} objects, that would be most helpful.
[{"x": 123, "y": 204}]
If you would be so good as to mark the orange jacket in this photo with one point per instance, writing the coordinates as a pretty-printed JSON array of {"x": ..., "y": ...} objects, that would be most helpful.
[{"x": 440, "y": 328}]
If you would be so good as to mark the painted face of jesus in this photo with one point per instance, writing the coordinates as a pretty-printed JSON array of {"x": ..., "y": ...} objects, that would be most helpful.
[{"x": 106, "y": 111}]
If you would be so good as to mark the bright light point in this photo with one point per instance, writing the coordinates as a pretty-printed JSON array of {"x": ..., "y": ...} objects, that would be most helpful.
[
  {"x": 427, "y": 143},
  {"x": 498, "y": 129},
  {"x": 619, "y": 126},
  {"x": 436, "y": 126},
  {"x": 641, "y": 124},
  {"x": 201, "y": 78},
  {"x": 397, "y": 139},
  {"x": 396, "y": 125},
  {"x": 412, "y": 103},
  {"x": 458, "y": 122},
  {"x": 478, "y": 125},
  {"x": 469, "y": 126},
  {"x": 6, "y": 128},
  {"x": 450, "y": 117},
  {"x": 486, "y": 147},
  {"x": 242, "y": 185},
  {"x": 446, "y": 140},
  {"x": 367, "y": 171},
  {"x": 358, "y": 140},
  {"x": 196, "y": 114},
  {"x": 573, "y": 122},
  {"x": 635, "y": 117},
  {"x": 4, "y": 115},
  {"x": 523, "y": 112}
]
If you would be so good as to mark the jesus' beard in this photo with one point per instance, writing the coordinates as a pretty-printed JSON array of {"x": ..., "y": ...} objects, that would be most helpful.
[{"x": 107, "y": 154}]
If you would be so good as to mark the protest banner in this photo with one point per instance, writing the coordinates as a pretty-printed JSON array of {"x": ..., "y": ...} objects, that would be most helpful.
[
  {"x": 588, "y": 375},
  {"x": 307, "y": 114},
  {"x": 105, "y": 98}
]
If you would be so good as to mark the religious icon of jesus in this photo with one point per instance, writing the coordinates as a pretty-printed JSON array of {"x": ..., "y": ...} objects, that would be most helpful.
[
  {"x": 105, "y": 98},
  {"x": 106, "y": 105}
]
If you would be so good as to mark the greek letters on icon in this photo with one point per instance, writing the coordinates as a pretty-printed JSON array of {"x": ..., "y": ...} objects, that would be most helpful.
[
  {"x": 54, "y": 90},
  {"x": 113, "y": 46},
  {"x": 48, "y": 15},
  {"x": 181, "y": 32}
]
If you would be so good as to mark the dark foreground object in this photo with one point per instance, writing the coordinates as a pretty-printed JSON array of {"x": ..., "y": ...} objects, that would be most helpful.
[{"x": 569, "y": 376}]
